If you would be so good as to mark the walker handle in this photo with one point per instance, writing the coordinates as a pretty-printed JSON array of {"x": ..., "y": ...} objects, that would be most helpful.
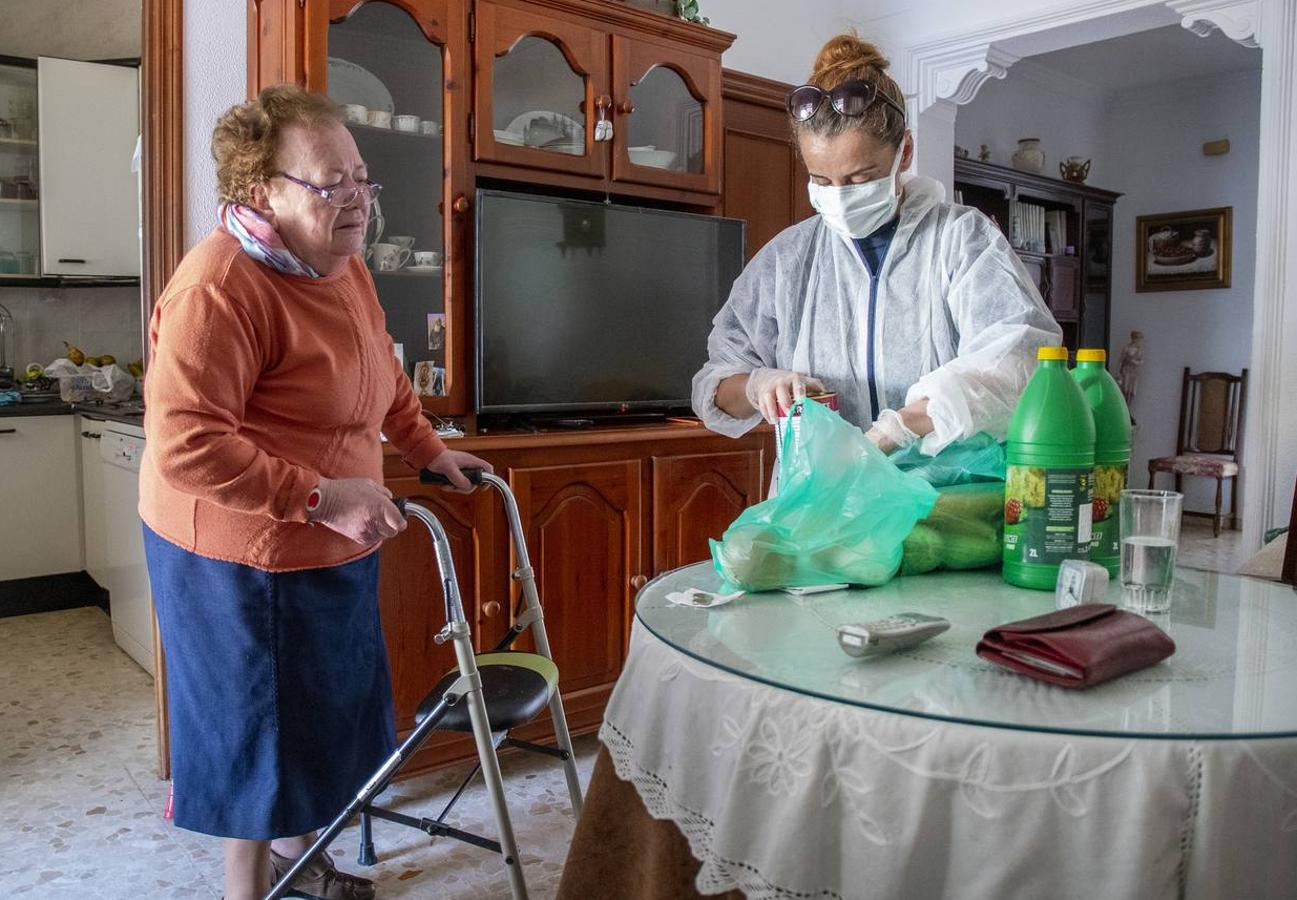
[{"x": 427, "y": 476}]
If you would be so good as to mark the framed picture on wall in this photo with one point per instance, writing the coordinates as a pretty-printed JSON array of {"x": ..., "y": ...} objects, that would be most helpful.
[{"x": 1183, "y": 251}]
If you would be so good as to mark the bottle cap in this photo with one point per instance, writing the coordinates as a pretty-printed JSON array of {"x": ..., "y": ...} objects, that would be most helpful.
[
  {"x": 1052, "y": 353},
  {"x": 1091, "y": 356}
]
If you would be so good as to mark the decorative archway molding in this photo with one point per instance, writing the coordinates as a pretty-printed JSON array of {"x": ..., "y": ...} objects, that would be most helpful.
[{"x": 943, "y": 73}]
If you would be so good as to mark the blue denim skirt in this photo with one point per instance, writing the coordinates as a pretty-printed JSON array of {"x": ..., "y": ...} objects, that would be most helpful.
[{"x": 278, "y": 690}]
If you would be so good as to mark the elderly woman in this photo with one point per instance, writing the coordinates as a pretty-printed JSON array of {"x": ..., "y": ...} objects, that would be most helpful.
[{"x": 272, "y": 375}]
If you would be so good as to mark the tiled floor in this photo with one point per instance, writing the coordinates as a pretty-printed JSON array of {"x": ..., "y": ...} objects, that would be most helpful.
[
  {"x": 1199, "y": 550},
  {"x": 81, "y": 808}
]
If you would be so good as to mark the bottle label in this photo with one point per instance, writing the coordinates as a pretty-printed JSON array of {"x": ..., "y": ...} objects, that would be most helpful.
[
  {"x": 1109, "y": 482},
  {"x": 1047, "y": 515}
]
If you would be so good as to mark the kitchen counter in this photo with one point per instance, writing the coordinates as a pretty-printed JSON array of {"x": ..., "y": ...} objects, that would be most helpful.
[
  {"x": 42, "y": 408},
  {"x": 108, "y": 412}
]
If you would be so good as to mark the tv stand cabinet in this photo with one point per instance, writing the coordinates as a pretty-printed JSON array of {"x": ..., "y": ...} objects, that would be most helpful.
[{"x": 604, "y": 509}]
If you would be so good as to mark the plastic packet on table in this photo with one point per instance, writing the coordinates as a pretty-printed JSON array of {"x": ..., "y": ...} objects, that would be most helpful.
[
  {"x": 841, "y": 515},
  {"x": 963, "y": 530}
]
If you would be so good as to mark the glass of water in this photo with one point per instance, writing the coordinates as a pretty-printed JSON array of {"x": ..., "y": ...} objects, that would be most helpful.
[{"x": 1150, "y": 530}]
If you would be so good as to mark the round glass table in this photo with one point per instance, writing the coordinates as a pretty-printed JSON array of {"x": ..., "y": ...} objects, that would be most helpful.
[
  {"x": 1234, "y": 672},
  {"x": 795, "y": 770}
]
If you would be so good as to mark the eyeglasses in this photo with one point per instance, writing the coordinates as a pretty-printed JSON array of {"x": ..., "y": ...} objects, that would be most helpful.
[
  {"x": 851, "y": 98},
  {"x": 338, "y": 197}
]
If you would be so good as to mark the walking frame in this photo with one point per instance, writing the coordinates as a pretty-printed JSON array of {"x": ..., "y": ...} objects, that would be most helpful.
[{"x": 463, "y": 688}]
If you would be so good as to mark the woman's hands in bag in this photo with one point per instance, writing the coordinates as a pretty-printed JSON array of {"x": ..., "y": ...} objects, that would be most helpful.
[{"x": 773, "y": 391}]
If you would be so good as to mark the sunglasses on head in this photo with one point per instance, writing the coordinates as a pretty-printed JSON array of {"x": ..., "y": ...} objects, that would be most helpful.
[{"x": 851, "y": 98}]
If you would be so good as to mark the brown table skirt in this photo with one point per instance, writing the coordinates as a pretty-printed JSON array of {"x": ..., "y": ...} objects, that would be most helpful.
[{"x": 620, "y": 852}]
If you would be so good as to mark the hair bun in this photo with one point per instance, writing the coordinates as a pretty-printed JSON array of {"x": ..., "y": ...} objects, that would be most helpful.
[{"x": 842, "y": 57}]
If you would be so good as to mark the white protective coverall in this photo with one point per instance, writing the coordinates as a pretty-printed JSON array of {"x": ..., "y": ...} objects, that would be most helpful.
[{"x": 957, "y": 320}]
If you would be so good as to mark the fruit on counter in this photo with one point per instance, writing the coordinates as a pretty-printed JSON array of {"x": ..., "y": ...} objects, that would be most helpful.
[
  {"x": 93, "y": 361},
  {"x": 35, "y": 370},
  {"x": 107, "y": 360},
  {"x": 136, "y": 368},
  {"x": 76, "y": 355}
]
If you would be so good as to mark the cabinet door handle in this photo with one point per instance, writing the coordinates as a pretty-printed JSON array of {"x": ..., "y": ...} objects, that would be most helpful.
[
  {"x": 625, "y": 107},
  {"x": 8, "y": 430},
  {"x": 92, "y": 435},
  {"x": 79, "y": 262},
  {"x": 460, "y": 205},
  {"x": 491, "y": 609},
  {"x": 638, "y": 582}
]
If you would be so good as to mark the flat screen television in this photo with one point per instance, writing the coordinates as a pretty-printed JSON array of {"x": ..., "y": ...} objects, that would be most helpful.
[{"x": 586, "y": 306}]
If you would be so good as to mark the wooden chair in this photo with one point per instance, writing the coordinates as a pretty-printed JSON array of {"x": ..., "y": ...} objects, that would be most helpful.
[{"x": 1207, "y": 442}]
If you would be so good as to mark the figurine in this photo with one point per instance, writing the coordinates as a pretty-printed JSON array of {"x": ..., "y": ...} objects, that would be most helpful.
[
  {"x": 984, "y": 154},
  {"x": 1132, "y": 357}
]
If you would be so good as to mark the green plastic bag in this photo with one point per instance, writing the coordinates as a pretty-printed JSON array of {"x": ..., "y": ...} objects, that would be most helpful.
[
  {"x": 841, "y": 515},
  {"x": 978, "y": 459},
  {"x": 964, "y": 530}
]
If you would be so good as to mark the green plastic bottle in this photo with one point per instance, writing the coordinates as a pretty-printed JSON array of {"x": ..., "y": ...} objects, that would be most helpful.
[
  {"x": 1047, "y": 493},
  {"x": 1111, "y": 453}
]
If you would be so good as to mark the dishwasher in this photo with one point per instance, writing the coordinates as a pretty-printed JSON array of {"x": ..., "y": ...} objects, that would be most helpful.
[{"x": 130, "y": 601}]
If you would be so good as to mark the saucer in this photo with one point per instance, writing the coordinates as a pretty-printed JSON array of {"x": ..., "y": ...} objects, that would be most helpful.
[{"x": 423, "y": 270}]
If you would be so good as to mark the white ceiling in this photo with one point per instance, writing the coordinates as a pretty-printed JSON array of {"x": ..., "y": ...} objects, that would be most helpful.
[
  {"x": 72, "y": 29},
  {"x": 1159, "y": 56}
]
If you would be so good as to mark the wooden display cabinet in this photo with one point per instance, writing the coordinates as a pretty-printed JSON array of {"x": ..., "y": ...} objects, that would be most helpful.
[
  {"x": 603, "y": 512},
  {"x": 548, "y": 71}
]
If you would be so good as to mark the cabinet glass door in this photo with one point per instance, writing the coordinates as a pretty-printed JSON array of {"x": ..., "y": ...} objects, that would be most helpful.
[
  {"x": 536, "y": 90},
  {"x": 386, "y": 69},
  {"x": 667, "y": 131},
  {"x": 19, "y": 173}
]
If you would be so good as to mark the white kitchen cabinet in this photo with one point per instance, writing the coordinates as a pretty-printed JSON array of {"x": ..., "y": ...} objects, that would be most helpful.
[
  {"x": 93, "y": 513},
  {"x": 40, "y": 527},
  {"x": 89, "y": 121}
]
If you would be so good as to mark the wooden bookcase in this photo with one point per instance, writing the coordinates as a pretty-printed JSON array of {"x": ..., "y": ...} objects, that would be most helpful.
[{"x": 1074, "y": 274}]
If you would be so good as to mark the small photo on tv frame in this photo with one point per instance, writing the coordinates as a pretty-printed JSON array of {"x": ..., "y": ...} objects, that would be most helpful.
[
  {"x": 1184, "y": 251},
  {"x": 429, "y": 379}
]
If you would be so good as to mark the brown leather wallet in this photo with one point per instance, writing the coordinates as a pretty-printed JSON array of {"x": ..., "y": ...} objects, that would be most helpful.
[{"x": 1077, "y": 647}]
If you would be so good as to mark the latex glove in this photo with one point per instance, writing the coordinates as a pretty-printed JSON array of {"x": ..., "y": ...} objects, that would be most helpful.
[
  {"x": 890, "y": 433},
  {"x": 358, "y": 508},
  {"x": 449, "y": 462},
  {"x": 772, "y": 391}
]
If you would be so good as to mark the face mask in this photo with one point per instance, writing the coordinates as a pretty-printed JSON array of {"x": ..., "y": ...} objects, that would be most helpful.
[{"x": 858, "y": 210}]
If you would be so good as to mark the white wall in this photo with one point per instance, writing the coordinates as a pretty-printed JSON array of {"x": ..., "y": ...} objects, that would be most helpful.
[
  {"x": 776, "y": 39},
  {"x": 1069, "y": 122},
  {"x": 216, "y": 78},
  {"x": 1155, "y": 158}
]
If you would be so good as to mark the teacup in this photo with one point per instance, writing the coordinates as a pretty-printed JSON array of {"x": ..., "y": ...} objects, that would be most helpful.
[
  {"x": 404, "y": 241},
  {"x": 406, "y": 123},
  {"x": 388, "y": 257},
  {"x": 355, "y": 113},
  {"x": 380, "y": 118},
  {"x": 427, "y": 258},
  {"x": 429, "y": 126}
]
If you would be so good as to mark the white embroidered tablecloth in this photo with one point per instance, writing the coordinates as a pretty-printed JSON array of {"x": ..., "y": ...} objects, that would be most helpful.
[{"x": 785, "y": 794}]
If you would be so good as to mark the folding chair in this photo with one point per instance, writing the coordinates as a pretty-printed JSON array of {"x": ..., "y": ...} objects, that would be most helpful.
[{"x": 487, "y": 694}]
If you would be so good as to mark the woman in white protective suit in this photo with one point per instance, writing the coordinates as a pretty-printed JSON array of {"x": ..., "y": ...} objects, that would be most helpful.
[{"x": 914, "y": 310}]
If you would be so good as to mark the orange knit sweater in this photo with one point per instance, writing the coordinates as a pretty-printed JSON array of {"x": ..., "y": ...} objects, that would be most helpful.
[{"x": 260, "y": 383}]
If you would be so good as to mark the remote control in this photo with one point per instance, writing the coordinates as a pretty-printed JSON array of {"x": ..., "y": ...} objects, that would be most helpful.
[{"x": 892, "y": 633}]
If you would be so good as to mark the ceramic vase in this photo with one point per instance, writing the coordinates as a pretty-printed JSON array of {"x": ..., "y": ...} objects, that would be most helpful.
[{"x": 1029, "y": 157}]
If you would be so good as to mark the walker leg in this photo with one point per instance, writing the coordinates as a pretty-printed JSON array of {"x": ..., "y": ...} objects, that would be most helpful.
[
  {"x": 365, "y": 856},
  {"x": 495, "y": 789},
  {"x": 564, "y": 740}
]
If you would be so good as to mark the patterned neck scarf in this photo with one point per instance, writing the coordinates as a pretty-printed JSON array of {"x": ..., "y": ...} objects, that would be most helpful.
[{"x": 261, "y": 241}]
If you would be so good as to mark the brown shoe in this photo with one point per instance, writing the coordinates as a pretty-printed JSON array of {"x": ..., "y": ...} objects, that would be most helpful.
[{"x": 321, "y": 881}]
